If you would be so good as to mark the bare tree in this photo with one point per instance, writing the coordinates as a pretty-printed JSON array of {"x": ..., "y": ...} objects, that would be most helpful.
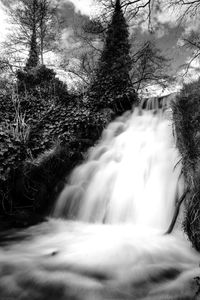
[
  {"x": 148, "y": 64},
  {"x": 132, "y": 9},
  {"x": 191, "y": 42},
  {"x": 189, "y": 10},
  {"x": 47, "y": 26},
  {"x": 150, "y": 67},
  {"x": 32, "y": 20},
  {"x": 80, "y": 61},
  {"x": 31, "y": 11},
  {"x": 84, "y": 68}
]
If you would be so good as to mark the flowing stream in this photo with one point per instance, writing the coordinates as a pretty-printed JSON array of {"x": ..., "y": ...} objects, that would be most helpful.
[
  {"x": 106, "y": 237},
  {"x": 131, "y": 176}
]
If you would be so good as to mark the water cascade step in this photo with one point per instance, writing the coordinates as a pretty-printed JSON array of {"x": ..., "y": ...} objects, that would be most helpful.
[
  {"x": 106, "y": 239},
  {"x": 131, "y": 176}
]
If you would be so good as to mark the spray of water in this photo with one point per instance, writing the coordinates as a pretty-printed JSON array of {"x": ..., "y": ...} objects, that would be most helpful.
[
  {"x": 129, "y": 177},
  {"x": 118, "y": 204}
]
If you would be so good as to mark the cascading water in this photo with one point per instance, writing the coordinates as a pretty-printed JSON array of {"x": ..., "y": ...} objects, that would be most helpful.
[
  {"x": 131, "y": 176},
  {"x": 118, "y": 204}
]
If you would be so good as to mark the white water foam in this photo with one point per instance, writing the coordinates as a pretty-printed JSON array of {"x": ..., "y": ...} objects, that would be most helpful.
[
  {"x": 129, "y": 177},
  {"x": 61, "y": 260},
  {"x": 122, "y": 198}
]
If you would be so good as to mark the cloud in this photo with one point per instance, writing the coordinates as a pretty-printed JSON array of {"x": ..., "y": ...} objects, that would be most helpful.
[
  {"x": 180, "y": 42},
  {"x": 68, "y": 14},
  {"x": 191, "y": 26},
  {"x": 7, "y": 3},
  {"x": 185, "y": 74},
  {"x": 71, "y": 20},
  {"x": 69, "y": 41},
  {"x": 3, "y": 23},
  {"x": 77, "y": 7},
  {"x": 161, "y": 31},
  {"x": 86, "y": 7},
  {"x": 167, "y": 15}
]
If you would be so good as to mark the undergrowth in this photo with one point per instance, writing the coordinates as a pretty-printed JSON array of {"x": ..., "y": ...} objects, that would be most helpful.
[{"x": 186, "y": 115}]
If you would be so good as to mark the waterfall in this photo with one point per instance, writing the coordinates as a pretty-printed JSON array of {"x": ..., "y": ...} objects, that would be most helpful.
[
  {"x": 131, "y": 176},
  {"x": 106, "y": 237}
]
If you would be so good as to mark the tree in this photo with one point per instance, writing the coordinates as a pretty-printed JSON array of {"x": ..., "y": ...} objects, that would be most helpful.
[
  {"x": 189, "y": 12},
  {"x": 33, "y": 21},
  {"x": 80, "y": 60},
  {"x": 143, "y": 9},
  {"x": 33, "y": 58},
  {"x": 150, "y": 67},
  {"x": 4, "y": 65},
  {"x": 188, "y": 7},
  {"x": 111, "y": 85},
  {"x": 191, "y": 41},
  {"x": 47, "y": 27}
]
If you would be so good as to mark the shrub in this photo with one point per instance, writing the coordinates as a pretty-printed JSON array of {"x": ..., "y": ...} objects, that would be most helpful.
[
  {"x": 41, "y": 82},
  {"x": 36, "y": 183},
  {"x": 186, "y": 114}
]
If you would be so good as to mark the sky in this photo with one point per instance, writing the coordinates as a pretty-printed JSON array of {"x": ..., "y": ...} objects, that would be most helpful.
[
  {"x": 167, "y": 35},
  {"x": 3, "y": 24},
  {"x": 84, "y": 6}
]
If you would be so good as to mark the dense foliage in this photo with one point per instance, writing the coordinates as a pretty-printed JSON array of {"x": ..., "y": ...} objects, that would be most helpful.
[
  {"x": 33, "y": 126},
  {"x": 47, "y": 130},
  {"x": 186, "y": 112},
  {"x": 111, "y": 85},
  {"x": 36, "y": 93}
]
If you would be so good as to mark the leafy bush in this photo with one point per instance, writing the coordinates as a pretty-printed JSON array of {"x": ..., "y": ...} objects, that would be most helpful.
[
  {"x": 13, "y": 152},
  {"x": 35, "y": 76},
  {"x": 36, "y": 183},
  {"x": 32, "y": 129},
  {"x": 186, "y": 114},
  {"x": 41, "y": 82},
  {"x": 48, "y": 115}
]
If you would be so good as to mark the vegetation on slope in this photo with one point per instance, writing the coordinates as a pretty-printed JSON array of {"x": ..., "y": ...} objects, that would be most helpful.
[
  {"x": 47, "y": 130},
  {"x": 186, "y": 114}
]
